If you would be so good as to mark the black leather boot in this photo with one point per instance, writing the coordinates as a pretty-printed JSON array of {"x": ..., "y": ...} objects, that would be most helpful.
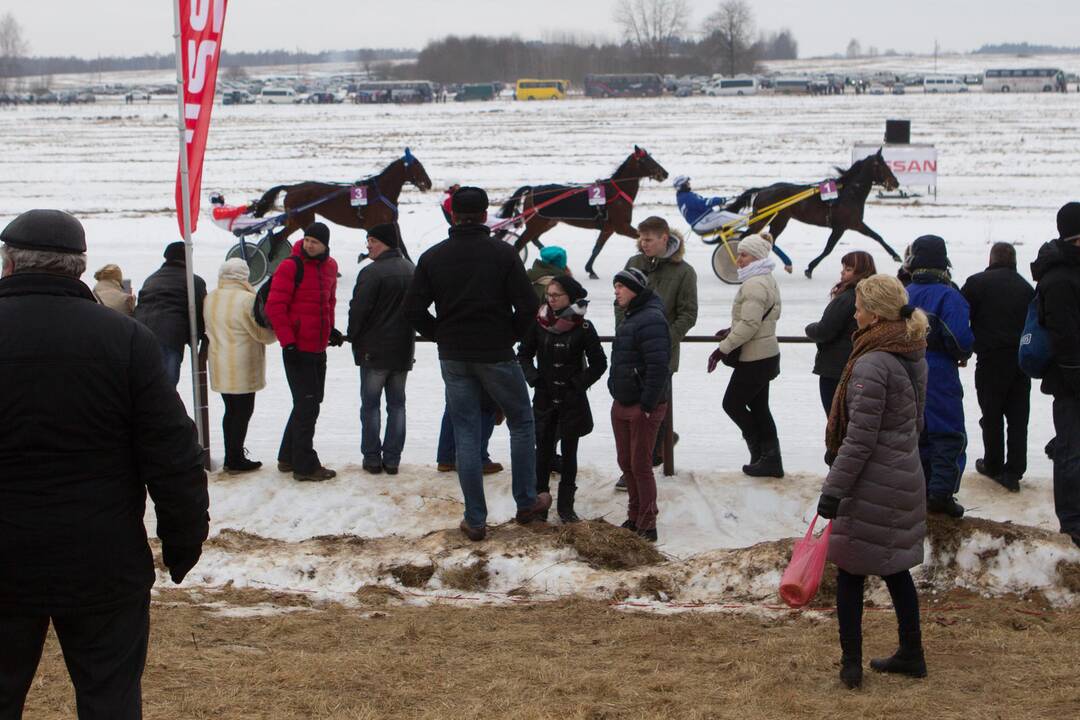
[
  {"x": 851, "y": 662},
  {"x": 754, "y": 446},
  {"x": 565, "y": 504},
  {"x": 907, "y": 660},
  {"x": 769, "y": 464}
]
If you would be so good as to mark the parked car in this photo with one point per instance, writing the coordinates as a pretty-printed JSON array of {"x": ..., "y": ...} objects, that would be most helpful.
[{"x": 321, "y": 98}]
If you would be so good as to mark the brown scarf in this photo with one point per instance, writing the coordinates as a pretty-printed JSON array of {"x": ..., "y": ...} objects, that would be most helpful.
[{"x": 888, "y": 336}]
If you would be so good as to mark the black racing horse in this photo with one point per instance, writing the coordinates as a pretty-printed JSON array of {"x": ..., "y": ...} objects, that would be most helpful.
[
  {"x": 571, "y": 204},
  {"x": 842, "y": 214}
]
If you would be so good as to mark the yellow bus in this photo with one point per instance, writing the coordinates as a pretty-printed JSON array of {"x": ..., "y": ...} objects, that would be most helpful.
[{"x": 531, "y": 89}]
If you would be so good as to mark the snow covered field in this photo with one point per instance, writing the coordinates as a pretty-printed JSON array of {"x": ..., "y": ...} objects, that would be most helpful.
[{"x": 1007, "y": 162}]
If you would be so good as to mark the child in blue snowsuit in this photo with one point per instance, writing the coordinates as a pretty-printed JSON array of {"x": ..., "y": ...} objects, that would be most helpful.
[
  {"x": 708, "y": 214},
  {"x": 943, "y": 444}
]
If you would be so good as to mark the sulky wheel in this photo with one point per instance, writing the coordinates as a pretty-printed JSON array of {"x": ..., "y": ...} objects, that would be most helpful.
[
  {"x": 723, "y": 264},
  {"x": 258, "y": 264}
]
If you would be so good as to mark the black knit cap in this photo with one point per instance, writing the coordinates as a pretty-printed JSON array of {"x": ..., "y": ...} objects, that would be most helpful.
[
  {"x": 633, "y": 279},
  {"x": 469, "y": 200},
  {"x": 52, "y": 230},
  {"x": 1068, "y": 220},
  {"x": 319, "y": 231},
  {"x": 573, "y": 288},
  {"x": 928, "y": 253},
  {"x": 174, "y": 251},
  {"x": 387, "y": 234}
]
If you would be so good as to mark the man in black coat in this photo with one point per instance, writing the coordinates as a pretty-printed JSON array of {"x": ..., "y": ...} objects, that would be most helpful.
[
  {"x": 484, "y": 304},
  {"x": 1057, "y": 272},
  {"x": 999, "y": 299},
  {"x": 383, "y": 345},
  {"x": 90, "y": 424},
  {"x": 163, "y": 307}
]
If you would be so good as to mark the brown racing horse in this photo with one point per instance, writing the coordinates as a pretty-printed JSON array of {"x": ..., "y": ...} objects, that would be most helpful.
[
  {"x": 303, "y": 201},
  {"x": 844, "y": 213},
  {"x": 573, "y": 209}
]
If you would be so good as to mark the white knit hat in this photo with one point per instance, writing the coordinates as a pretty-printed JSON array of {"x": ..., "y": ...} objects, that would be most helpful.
[
  {"x": 757, "y": 246},
  {"x": 234, "y": 269}
]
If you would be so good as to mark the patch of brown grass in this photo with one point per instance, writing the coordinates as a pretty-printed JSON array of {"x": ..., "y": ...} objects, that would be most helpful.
[
  {"x": 473, "y": 576},
  {"x": 1070, "y": 575},
  {"x": 656, "y": 587},
  {"x": 412, "y": 576},
  {"x": 603, "y": 545},
  {"x": 377, "y": 595}
]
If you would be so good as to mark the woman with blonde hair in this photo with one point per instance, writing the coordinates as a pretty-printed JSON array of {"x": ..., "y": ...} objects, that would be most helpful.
[
  {"x": 110, "y": 291},
  {"x": 875, "y": 492}
]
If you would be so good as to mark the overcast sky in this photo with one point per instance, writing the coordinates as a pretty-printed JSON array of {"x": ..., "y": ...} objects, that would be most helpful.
[{"x": 88, "y": 28}]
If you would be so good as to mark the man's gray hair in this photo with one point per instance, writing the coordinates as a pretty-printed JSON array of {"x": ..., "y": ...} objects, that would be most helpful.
[{"x": 43, "y": 261}]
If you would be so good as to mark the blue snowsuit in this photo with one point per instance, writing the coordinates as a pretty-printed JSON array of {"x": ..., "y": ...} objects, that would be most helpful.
[
  {"x": 943, "y": 444},
  {"x": 694, "y": 207}
]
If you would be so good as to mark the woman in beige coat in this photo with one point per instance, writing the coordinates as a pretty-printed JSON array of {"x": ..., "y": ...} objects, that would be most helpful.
[
  {"x": 110, "y": 291},
  {"x": 753, "y": 333},
  {"x": 237, "y": 357}
]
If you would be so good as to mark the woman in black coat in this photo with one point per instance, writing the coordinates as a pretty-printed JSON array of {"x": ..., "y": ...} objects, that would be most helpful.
[
  {"x": 832, "y": 333},
  {"x": 561, "y": 357}
]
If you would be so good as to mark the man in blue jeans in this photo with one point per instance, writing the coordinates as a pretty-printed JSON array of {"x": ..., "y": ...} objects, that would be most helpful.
[
  {"x": 383, "y": 347},
  {"x": 484, "y": 303}
]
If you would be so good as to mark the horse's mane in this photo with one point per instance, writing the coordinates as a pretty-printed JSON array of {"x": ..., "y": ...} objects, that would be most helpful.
[
  {"x": 623, "y": 164},
  {"x": 856, "y": 167}
]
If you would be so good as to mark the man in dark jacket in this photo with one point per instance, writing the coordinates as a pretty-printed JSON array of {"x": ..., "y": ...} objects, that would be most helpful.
[
  {"x": 1057, "y": 272},
  {"x": 90, "y": 424},
  {"x": 300, "y": 308},
  {"x": 163, "y": 307},
  {"x": 999, "y": 299},
  {"x": 484, "y": 304},
  {"x": 639, "y": 383},
  {"x": 383, "y": 345}
]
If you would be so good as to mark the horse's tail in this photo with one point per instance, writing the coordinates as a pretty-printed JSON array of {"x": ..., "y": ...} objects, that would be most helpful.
[
  {"x": 510, "y": 206},
  {"x": 263, "y": 204},
  {"x": 740, "y": 202}
]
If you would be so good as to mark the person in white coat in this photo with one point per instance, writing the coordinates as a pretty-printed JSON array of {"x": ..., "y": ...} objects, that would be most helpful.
[{"x": 237, "y": 357}]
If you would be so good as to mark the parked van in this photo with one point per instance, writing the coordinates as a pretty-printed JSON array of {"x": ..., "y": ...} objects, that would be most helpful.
[
  {"x": 943, "y": 84},
  {"x": 533, "y": 89},
  {"x": 742, "y": 85},
  {"x": 273, "y": 95}
]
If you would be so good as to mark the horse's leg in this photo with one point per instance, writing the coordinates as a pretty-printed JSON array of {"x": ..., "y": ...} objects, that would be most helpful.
[
  {"x": 862, "y": 228},
  {"x": 834, "y": 237},
  {"x": 778, "y": 224},
  {"x": 603, "y": 238}
]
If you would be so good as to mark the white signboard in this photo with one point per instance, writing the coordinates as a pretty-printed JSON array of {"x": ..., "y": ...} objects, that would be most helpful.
[{"x": 912, "y": 165}]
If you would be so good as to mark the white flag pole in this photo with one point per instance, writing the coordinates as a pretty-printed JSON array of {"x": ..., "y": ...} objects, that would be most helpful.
[{"x": 185, "y": 207}]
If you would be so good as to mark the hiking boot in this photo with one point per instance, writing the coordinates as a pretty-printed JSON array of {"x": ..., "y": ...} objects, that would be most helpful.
[
  {"x": 243, "y": 465},
  {"x": 317, "y": 475},
  {"x": 474, "y": 534},
  {"x": 390, "y": 469},
  {"x": 944, "y": 505},
  {"x": 649, "y": 534},
  {"x": 620, "y": 484},
  {"x": 769, "y": 464},
  {"x": 490, "y": 468},
  {"x": 629, "y": 525},
  {"x": 284, "y": 467},
  {"x": 907, "y": 660},
  {"x": 851, "y": 662},
  {"x": 372, "y": 468},
  {"x": 527, "y": 515},
  {"x": 446, "y": 467}
]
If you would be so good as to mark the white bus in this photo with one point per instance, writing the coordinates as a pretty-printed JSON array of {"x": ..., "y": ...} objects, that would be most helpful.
[
  {"x": 742, "y": 85},
  {"x": 1024, "y": 80},
  {"x": 943, "y": 84},
  {"x": 277, "y": 95}
]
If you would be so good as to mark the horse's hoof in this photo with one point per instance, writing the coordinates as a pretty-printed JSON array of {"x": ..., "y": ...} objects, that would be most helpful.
[{"x": 808, "y": 273}]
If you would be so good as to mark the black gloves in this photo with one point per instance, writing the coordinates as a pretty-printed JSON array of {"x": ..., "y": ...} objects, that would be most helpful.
[
  {"x": 180, "y": 559},
  {"x": 290, "y": 348},
  {"x": 336, "y": 338},
  {"x": 827, "y": 506}
]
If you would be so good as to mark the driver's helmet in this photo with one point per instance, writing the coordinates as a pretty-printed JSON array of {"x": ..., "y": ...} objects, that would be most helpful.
[
  {"x": 680, "y": 181},
  {"x": 217, "y": 198}
]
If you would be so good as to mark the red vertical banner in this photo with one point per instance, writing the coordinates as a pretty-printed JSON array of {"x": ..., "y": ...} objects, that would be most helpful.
[{"x": 201, "y": 25}]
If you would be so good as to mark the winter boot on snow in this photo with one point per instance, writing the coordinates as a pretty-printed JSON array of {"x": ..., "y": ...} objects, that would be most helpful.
[
  {"x": 851, "y": 662},
  {"x": 907, "y": 660},
  {"x": 754, "y": 446},
  {"x": 565, "y": 504},
  {"x": 769, "y": 464}
]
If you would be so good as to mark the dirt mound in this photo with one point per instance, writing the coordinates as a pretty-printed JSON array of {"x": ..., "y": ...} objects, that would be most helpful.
[
  {"x": 412, "y": 576},
  {"x": 473, "y": 576},
  {"x": 602, "y": 545}
]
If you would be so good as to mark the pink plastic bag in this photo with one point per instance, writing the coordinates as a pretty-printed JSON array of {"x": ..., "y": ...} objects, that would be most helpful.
[{"x": 802, "y": 577}]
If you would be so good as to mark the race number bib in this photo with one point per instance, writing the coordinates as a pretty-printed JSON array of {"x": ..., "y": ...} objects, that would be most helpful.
[
  {"x": 828, "y": 190},
  {"x": 358, "y": 195},
  {"x": 597, "y": 196}
]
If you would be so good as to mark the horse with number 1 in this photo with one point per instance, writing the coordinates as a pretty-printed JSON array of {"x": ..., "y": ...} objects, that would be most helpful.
[{"x": 607, "y": 205}]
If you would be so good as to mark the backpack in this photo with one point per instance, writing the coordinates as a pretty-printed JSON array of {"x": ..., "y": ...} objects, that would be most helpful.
[
  {"x": 259, "y": 308},
  {"x": 1035, "y": 351}
]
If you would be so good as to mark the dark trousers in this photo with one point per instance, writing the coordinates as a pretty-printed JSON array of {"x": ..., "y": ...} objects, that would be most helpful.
[
  {"x": 234, "y": 424},
  {"x": 546, "y": 441},
  {"x": 104, "y": 652},
  {"x": 827, "y": 388},
  {"x": 1004, "y": 397},
  {"x": 849, "y": 602},
  {"x": 306, "y": 373},
  {"x": 747, "y": 398},
  {"x": 1067, "y": 464},
  {"x": 635, "y": 435}
]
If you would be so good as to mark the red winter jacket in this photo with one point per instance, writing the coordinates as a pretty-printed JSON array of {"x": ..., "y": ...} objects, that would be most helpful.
[{"x": 303, "y": 314}]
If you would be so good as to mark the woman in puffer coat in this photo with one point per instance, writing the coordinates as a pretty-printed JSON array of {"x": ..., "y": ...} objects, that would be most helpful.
[
  {"x": 109, "y": 290},
  {"x": 568, "y": 360},
  {"x": 753, "y": 332},
  {"x": 237, "y": 357},
  {"x": 875, "y": 488}
]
